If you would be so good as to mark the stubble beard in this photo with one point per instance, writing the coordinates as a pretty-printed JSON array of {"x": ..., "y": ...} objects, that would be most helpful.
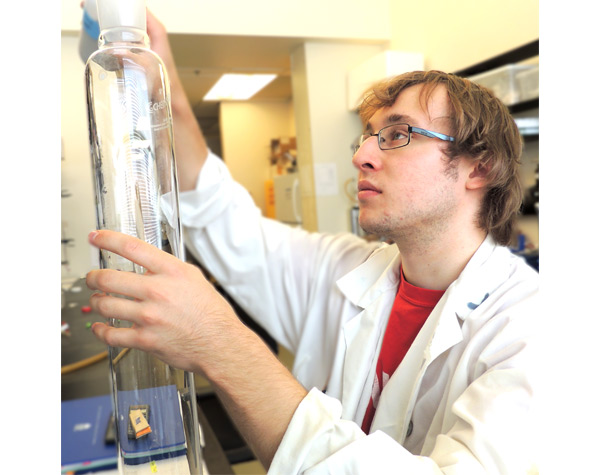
[{"x": 416, "y": 228}]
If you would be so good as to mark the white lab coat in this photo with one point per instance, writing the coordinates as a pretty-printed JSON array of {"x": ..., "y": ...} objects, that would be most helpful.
[{"x": 461, "y": 400}]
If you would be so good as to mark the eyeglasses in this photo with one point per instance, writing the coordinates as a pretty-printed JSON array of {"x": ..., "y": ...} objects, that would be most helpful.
[{"x": 398, "y": 135}]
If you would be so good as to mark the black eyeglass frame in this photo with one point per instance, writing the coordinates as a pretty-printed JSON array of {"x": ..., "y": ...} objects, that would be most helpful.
[{"x": 411, "y": 129}]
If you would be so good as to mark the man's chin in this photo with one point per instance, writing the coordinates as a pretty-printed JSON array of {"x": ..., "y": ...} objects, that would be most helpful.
[{"x": 370, "y": 226}]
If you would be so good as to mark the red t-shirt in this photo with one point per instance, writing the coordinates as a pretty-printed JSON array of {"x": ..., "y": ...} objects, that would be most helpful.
[{"x": 411, "y": 308}]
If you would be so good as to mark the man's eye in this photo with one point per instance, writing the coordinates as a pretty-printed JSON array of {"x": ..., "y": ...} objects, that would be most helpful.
[{"x": 397, "y": 134}]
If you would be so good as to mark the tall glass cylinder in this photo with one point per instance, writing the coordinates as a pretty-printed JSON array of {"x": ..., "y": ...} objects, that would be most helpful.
[{"x": 131, "y": 141}]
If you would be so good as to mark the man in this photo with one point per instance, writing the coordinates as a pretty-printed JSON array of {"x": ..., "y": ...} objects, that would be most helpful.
[{"x": 409, "y": 358}]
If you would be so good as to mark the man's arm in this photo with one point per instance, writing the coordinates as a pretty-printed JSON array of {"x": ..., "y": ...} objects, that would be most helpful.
[
  {"x": 257, "y": 391},
  {"x": 190, "y": 147}
]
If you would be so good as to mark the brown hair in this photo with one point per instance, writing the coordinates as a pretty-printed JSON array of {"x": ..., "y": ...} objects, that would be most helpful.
[{"x": 483, "y": 130}]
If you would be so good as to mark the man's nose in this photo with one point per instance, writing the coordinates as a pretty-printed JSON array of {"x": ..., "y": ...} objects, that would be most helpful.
[{"x": 368, "y": 155}]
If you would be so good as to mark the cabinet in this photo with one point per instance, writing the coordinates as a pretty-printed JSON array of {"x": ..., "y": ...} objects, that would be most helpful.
[
  {"x": 524, "y": 60},
  {"x": 523, "y": 54}
]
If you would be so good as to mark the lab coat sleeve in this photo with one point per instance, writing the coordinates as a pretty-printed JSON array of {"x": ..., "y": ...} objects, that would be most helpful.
[
  {"x": 318, "y": 441},
  {"x": 281, "y": 276}
]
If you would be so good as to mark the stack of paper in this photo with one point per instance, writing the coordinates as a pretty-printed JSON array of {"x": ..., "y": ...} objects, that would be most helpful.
[{"x": 83, "y": 426}]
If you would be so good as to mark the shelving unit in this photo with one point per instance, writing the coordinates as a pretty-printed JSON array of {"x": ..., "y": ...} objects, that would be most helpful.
[{"x": 517, "y": 55}]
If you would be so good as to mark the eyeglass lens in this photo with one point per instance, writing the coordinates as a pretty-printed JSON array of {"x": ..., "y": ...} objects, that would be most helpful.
[{"x": 392, "y": 136}]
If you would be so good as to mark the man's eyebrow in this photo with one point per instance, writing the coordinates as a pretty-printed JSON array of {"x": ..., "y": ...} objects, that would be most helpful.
[
  {"x": 392, "y": 119},
  {"x": 399, "y": 118}
]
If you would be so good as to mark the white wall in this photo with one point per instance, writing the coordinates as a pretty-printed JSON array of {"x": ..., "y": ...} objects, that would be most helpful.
[
  {"x": 291, "y": 18},
  {"x": 246, "y": 132},
  {"x": 455, "y": 35}
]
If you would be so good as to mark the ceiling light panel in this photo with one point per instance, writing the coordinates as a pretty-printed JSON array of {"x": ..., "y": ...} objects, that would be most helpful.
[{"x": 238, "y": 87}]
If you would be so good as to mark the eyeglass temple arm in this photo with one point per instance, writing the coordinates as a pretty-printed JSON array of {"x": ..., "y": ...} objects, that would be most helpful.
[{"x": 429, "y": 133}]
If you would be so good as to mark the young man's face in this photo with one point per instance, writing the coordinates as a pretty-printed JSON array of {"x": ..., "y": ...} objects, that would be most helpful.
[{"x": 410, "y": 191}]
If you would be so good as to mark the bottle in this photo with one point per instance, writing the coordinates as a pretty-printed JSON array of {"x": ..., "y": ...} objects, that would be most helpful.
[{"x": 131, "y": 142}]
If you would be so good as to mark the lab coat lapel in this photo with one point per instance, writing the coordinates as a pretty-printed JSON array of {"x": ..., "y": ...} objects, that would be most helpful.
[
  {"x": 368, "y": 288},
  {"x": 440, "y": 332}
]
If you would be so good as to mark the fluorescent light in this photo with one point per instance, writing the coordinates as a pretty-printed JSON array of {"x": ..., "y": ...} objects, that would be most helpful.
[{"x": 238, "y": 86}]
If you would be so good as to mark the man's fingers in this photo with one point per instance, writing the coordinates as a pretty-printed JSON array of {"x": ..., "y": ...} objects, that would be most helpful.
[
  {"x": 110, "y": 281},
  {"x": 116, "y": 307},
  {"x": 117, "y": 337},
  {"x": 129, "y": 247}
]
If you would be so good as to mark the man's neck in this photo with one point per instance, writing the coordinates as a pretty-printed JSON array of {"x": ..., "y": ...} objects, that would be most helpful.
[{"x": 437, "y": 264}]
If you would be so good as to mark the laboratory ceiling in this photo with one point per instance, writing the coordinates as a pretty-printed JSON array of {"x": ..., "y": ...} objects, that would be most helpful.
[{"x": 202, "y": 59}]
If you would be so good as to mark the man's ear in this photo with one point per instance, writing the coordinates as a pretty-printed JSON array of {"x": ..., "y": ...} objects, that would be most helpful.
[{"x": 478, "y": 176}]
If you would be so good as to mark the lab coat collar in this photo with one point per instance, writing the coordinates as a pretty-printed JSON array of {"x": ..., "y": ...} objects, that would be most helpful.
[
  {"x": 474, "y": 284},
  {"x": 378, "y": 274}
]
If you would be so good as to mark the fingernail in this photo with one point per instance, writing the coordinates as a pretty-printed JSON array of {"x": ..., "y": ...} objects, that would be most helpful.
[{"x": 92, "y": 235}]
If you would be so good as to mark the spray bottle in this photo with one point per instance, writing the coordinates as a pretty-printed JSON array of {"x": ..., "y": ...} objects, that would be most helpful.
[{"x": 131, "y": 142}]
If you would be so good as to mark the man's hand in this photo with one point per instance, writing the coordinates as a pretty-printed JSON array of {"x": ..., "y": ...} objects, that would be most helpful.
[
  {"x": 177, "y": 314},
  {"x": 159, "y": 42}
]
